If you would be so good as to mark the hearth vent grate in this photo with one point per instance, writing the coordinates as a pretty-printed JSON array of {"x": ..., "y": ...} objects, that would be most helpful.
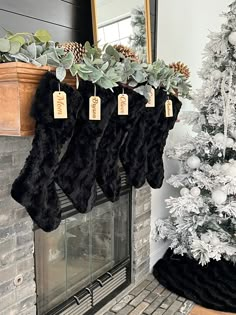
[
  {"x": 82, "y": 306},
  {"x": 89, "y": 300},
  {"x": 109, "y": 286}
]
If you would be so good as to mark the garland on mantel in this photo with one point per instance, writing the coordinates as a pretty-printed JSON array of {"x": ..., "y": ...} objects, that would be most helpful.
[{"x": 106, "y": 67}]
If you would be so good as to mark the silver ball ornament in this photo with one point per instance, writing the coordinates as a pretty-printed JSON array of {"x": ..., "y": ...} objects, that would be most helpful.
[
  {"x": 232, "y": 38},
  {"x": 217, "y": 74},
  {"x": 215, "y": 240},
  {"x": 197, "y": 128},
  {"x": 225, "y": 167},
  {"x": 219, "y": 197},
  {"x": 231, "y": 171},
  {"x": 195, "y": 191},
  {"x": 193, "y": 162},
  {"x": 217, "y": 167},
  {"x": 205, "y": 238},
  {"x": 184, "y": 191},
  {"x": 219, "y": 137}
]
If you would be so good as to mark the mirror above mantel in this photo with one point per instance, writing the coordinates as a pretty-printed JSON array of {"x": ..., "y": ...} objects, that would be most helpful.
[{"x": 123, "y": 22}]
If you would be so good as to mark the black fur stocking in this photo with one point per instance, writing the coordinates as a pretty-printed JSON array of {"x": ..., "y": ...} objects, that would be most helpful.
[
  {"x": 108, "y": 151},
  {"x": 134, "y": 151},
  {"x": 159, "y": 133},
  {"x": 77, "y": 169},
  {"x": 34, "y": 188}
]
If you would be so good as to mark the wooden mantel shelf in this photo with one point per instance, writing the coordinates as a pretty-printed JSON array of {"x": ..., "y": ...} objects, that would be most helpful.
[{"x": 18, "y": 83}]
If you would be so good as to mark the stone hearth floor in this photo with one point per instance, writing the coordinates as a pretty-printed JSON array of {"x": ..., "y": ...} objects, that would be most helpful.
[{"x": 151, "y": 298}]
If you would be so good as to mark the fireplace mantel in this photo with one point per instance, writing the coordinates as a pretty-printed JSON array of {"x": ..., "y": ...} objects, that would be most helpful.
[{"x": 18, "y": 83}]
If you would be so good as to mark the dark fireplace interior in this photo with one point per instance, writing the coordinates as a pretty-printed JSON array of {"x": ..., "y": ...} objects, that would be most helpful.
[{"x": 84, "y": 253}]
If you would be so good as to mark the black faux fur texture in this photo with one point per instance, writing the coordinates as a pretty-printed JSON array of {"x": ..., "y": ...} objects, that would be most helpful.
[
  {"x": 212, "y": 286},
  {"x": 107, "y": 173},
  {"x": 134, "y": 151},
  {"x": 34, "y": 188},
  {"x": 77, "y": 169},
  {"x": 159, "y": 133}
]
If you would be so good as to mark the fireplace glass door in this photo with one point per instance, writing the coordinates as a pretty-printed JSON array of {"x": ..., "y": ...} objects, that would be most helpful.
[{"x": 84, "y": 247}]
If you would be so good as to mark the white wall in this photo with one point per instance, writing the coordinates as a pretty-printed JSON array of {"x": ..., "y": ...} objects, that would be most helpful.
[{"x": 183, "y": 27}]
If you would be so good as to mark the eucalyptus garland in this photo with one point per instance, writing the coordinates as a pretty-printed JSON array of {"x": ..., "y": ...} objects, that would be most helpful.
[{"x": 106, "y": 67}]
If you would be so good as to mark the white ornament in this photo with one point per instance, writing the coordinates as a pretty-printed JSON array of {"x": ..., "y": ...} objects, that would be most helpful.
[
  {"x": 193, "y": 162},
  {"x": 219, "y": 137},
  {"x": 205, "y": 238},
  {"x": 207, "y": 151},
  {"x": 229, "y": 142},
  {"x": 218, "y": 196},
  {"x": 217, "y": 74},
  {"x": 232, "y": 38},
  {"x": 215, "y": 240},
  {"x": 195, "y": 191},
  {"x": 225, "y": 166},
  {"x": 220, "y": 154},
  {"x": 231, "y": 171},
  {"x": 217, "y": 167},
  {"x": 184, "y": 191},
  {"x": 197, "y": 128}
]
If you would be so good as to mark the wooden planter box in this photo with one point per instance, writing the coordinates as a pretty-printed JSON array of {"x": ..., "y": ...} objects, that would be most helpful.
[{"x": 18, "y": 83}]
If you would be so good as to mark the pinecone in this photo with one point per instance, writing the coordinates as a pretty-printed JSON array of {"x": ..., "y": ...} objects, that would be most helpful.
[
  {"x": 180, "y": 67},
  {"x": 126, "y": 51},
  {"x": 76, "y": 48}
]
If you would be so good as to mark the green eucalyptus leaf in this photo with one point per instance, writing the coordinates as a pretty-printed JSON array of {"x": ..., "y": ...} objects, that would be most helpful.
[
  {"x": 83, "y": 76},
  {"x": 39, "y": 50},
  {"x": 60, "y": 51},
  {"x": 21, "y": 57},
  {"x": 15, "y": 47},
  {"x": 17, "y": 38},
  {"x": 42, "y": 35},
  {"x": 68, "y": 60},
  {"x": 83, "y": 68},
  {"x": 5, "y": 45},
  {"x": 52, "y": 59},
  {"x": 32, "y": 50},
  {"x": 60, "y": 73},
  {"x": 36, "y": 63},
  {"x": 73, "y": 70},
  {"x": 8, "y": 58},
  {"x": 105, "y": 66},
  {"x": 42, "y": 60},
  {"x": 97, "y": 61}
]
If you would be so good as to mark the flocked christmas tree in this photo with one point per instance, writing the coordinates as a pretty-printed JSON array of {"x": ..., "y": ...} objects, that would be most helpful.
[
  {"x": 138, "y": 37},
  {"x": 202, "y": 221}
]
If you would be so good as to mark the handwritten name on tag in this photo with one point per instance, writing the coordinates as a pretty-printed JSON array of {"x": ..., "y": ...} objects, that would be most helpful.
[
  {"x": 151, "y": 101},
  {"x": 94, "y": 108},
  {"x": 59, "y": 105},
  {"x": 123, "y": 104},
  {"x": 169, "y": 108}
]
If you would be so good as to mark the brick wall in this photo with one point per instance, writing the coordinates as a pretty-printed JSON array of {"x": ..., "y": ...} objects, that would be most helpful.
[
  {"x": 141, "y": 231},
  {"x": 17, "y": 285},
  {"x": 17, "y": 238}
]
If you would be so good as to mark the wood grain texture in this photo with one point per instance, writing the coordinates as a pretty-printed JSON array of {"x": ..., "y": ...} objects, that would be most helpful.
[
  {"x": 18, "y": 83},
  {"x": 198, "y": 310}
]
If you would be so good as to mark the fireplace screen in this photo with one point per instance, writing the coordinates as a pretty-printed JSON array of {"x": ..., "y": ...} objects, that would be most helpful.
[{"x": 83, "y": 248}]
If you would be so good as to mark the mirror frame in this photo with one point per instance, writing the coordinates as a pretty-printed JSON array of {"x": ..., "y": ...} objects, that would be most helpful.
[{"x": 147, "y": 22}]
